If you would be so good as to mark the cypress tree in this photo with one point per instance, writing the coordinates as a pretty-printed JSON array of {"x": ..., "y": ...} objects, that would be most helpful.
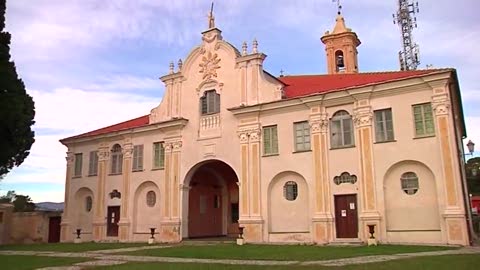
[{"x": 17, "y": 109}]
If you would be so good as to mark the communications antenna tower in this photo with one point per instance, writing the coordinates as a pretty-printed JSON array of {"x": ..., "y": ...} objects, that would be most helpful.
[{"x": 406, "y": 19}]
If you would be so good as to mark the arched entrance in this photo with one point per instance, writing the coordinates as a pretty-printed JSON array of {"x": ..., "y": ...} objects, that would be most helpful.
[{"x": 212, "y": 200}]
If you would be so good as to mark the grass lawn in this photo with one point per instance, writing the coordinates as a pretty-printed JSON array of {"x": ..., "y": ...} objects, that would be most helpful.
[
  {"x": 278, "y": 252},
  {"x": 457, "y": 262},
  {"x": 18, "y": 262},
  {"x": 70, "y": 247}
]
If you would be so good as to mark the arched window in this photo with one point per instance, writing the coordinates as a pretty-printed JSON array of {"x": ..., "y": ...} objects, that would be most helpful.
[
  {"x": 341, "y": 130},
  {"x": 339, "y": 61},
  {"x": 151, "y": 198},
  {"x": 116, "y": 160},
  {"x": 290, "y": 190},
  {"x": 88, "y": 203},
  {"x": 210, "y": 102},
  {"x": 409, "y": 182}
]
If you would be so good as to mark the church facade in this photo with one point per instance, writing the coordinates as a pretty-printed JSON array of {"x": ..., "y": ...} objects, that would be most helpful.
[{"x": 308, "y": 159}]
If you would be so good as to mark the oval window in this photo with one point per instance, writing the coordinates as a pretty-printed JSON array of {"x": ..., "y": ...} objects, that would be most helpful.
[
  {"x": 151, "y": 198},
  {"x": 290, "y": 190},
  {"x": 409, "y": 182},
  {"x": 88, "y": 203}
]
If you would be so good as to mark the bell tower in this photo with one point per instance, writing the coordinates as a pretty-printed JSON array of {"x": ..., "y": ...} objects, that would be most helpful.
[{"x": 341, "y": 48}]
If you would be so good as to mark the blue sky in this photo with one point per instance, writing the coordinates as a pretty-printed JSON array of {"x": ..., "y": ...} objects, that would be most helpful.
[{"x": 91, "y": 63}]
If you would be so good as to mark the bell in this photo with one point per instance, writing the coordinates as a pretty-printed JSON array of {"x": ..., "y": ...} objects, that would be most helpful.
[{"x": 340, "y": 62}]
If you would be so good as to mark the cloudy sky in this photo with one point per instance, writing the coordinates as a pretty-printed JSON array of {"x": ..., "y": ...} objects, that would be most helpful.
[{"x": 92, "y": 63}]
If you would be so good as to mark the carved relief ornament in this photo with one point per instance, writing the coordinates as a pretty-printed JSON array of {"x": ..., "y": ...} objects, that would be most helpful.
[
  {"x": 441, "y": 104},
  {"x": 250, "y": 135},
  {"x": 363, "y": 118},
  {"x": 209, "y": 65},
  {"x": 70, "y": 158},
  {"x": 174, "y": 146},
  {"x": 319, "y": 125}
]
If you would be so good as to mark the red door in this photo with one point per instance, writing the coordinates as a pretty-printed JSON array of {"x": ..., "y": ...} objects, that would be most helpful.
[
  {"x": 346, "y": 219},
  {"x": 113, "y": 216},
  {"x": 205, "y": 211},
  {"x": 54, "y": 229}
]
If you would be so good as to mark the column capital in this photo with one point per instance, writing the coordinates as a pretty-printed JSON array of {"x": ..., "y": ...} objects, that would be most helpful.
[
  {"x": 127, "y": 150},
  {"x": 362, "y": 116},
  {"x": 441, "y": 104},
  {"x": 70, "y": 158},
  {"x": 173, "y": 145},
  {"x": 249, "y": 135},
  {"x": 255, "y": 135},
  {"x": 318, "y": 123}
]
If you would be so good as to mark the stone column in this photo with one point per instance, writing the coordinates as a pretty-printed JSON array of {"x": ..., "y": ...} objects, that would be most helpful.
[
  {"x": 322, "y": 219},
  {"x": 99, "y": 219},
  {"x": 369, "y": 215},
  {"x": 66, "y": 230},
  {"x": 250, "y": 186},
  {"x": 454, "y": 212},
  {"x": 170, "y": 225},
  {"x": 124, "y": 222}
]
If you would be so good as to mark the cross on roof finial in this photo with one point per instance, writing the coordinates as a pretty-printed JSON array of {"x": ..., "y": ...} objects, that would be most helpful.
[
  {"x": 281, "y": 72},
  {"x": 339, "y": 6},
  {"x": 211, "y": 18}
]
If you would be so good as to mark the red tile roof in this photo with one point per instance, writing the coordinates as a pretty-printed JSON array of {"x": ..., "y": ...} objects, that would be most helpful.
[
  {"x": 296, "y": 86},
  {"x": 304, "y": 85},
  {"x": 134, "y": 123}
]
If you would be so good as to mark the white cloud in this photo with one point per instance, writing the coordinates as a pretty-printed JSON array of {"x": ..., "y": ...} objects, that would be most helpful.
[
  {"x": 124, "y": 82},
  {"x": 79, "y": 110}
]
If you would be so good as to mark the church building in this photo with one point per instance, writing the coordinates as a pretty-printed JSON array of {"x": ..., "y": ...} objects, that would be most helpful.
[{"x": 337, "y": 157}]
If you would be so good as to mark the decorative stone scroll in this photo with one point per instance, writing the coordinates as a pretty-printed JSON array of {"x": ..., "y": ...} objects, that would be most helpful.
[
  {"x": 362, "y": 117},
  {"x": 345, "y": 177},
  {"x": 70, "y": 158},
  {"x": 319, "y": 124},
  {"x": 441, "y": 104},
  {"x": 115, "y": 194},
  {"x": 209, "y": 65},
  {"x": 174, "y": 146}
]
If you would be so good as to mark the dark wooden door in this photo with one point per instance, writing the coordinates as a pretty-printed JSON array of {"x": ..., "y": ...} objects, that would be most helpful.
[
  {"x": 54, "y": 229},
  {"x": 346, "y": 218},
  {"x": 113, "y": 216}
]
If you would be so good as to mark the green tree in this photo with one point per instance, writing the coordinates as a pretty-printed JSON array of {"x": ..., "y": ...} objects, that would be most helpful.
[
  {"x": 17, "y": 108},
  {"x": 23, "y": 203},
  {"x": 9, "y": 197},
  {"x": 472, "y": 168}
]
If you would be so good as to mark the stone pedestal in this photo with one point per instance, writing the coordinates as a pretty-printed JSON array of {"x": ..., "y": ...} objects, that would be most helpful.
[
  {"x": 170, "y": 232},
  {"x": 253, "y": 230},
  {"x": 372, "y": 242},
  {"x": 77, "y": 240},
  {"x": 123, "y": 230},
  {"x": 240, "y": 241},
  {"x": 322, "y": 229},
  {"x": 151, "y": 241}
]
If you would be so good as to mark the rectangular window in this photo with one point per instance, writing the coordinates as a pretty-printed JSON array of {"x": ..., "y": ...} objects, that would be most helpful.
[
  {"x": 423, "y": 117},
  {"x": 137, "y": 162},
  {"x": 302, "y": 136},
  {"x": 93, "y": 163},
  {"x": 383, "y": 125},
  {"x": 77, "y": 172},
  {"x": 270, "y": 140},
  {"x": 158, "y": 155},
  {"x": 210, "y": 102}
]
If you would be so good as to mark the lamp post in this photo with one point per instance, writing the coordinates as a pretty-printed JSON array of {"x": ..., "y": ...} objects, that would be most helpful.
[{"x": 471, "y": 147}]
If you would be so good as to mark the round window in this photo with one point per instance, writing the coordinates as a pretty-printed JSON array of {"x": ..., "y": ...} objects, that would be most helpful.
[
  {"x": 151, "y": 198},
  {"x": 290, "y": 190}
]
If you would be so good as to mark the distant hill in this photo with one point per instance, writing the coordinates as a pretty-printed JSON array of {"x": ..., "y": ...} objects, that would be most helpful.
[{"x": 49, "y": 206}]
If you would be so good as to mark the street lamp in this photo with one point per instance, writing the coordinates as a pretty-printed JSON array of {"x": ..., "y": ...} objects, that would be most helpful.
[{"x": 471, "y": 147}]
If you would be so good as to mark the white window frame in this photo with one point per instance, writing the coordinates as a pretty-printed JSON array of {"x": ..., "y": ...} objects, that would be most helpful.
[
  {"x": 137, "y": 158},
  {"x": 270, "y": 140},
  {"x": 426, "y": 118},
  {"x": 77, "y": 168},
  {"x": 116, "y": 161},
  {"x": 301, "y": 135},
  {"x": 384, "y": 126},
  {"x": 158, "y": 153},
  {"x": 93, "y": 163},
  {"x": 343, "y": 118}
]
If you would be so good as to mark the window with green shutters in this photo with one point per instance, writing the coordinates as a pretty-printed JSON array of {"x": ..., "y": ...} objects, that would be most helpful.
[
  {"x": 137, "y": 160},
  {"x": 302, "y": 136},
  {"x": 423, "y": 118},
  {"x": 158, "y": 155},
  {"x": 270, "y": 140},
  {"x": 383, "y": 125},
  {"x": 77, "y": 172},
  {"x": 93, "y": 163}
]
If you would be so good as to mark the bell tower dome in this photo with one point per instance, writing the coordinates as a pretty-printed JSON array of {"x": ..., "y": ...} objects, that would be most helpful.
[{"x": 341, "y": 48}]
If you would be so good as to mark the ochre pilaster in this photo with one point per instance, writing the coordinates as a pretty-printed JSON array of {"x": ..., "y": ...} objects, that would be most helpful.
[
  {"x": 99, "y": 224},
  {"x": 66, "y": 231},
  {"x": 170, "y": 225},
  {"x": 369, "y": 215},
  {"x": 454, "y": 213},
  {"x": 124, "y": 222},
  {"x": 250, "y": 185},
  {"x": 322, "y": 219}
]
